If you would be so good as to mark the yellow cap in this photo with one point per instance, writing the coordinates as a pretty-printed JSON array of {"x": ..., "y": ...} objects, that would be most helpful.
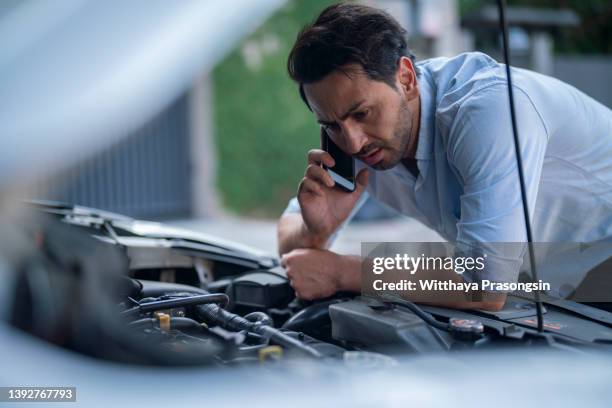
[
  {"x": 164, "y": 321},
  {"x": 270, "y": 351}
]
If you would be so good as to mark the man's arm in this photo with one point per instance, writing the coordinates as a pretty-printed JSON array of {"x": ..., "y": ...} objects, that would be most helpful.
[
  {"x": 320, "y": 208},
  {"x": 316, "y": 273},
  {"x": 293, "y": 234}
]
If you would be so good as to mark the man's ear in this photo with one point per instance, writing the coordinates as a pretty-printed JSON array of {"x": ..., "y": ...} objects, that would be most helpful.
[{"x": 406, "y": 76}]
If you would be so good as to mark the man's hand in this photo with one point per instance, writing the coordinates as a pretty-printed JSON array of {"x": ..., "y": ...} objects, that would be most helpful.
[
  {"x": 324, "y": 207},
  {"x": 315, "y": 273}
]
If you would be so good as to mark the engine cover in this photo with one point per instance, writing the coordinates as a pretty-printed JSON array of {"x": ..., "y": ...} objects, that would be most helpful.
[{"x": 357, "y": 323}]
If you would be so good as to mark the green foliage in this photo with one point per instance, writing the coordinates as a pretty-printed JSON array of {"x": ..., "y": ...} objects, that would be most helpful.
[{"x": 262, "y": 128}]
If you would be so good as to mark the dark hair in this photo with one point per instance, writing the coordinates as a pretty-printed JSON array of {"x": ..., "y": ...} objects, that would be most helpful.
[{"x": 344, "y": 34}]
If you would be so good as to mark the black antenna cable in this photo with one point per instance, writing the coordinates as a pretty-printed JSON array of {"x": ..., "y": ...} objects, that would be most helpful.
[{"x": 503, "y": 25}]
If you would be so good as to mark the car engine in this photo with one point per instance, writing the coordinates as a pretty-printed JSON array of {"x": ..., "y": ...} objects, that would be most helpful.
[{"x": 128, "y": 291}]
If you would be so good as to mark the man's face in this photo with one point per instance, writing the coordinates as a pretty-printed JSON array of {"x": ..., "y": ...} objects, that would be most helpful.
[{"x": 367, "y": 119}]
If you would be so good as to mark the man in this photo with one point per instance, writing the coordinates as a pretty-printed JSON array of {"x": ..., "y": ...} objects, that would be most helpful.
[{"x": 434, "y": 141}]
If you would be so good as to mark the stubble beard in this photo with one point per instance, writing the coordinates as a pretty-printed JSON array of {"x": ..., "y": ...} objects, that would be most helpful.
[{"x": 400, "y": 141}]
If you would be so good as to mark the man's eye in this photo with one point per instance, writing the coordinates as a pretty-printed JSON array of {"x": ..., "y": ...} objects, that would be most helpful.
[
  {"x": 360, "y": 115},
  {"x": 332, "y": 128}
]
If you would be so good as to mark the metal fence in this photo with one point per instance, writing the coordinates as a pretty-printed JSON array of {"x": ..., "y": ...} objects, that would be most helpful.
[{"x": 146, "y": 176}]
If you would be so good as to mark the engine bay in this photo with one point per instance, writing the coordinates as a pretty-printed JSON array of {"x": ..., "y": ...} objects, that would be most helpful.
[{"x": 96, "y": 284}]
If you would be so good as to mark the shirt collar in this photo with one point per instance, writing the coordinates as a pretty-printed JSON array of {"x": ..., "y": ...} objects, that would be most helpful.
[{"x": 427, "y": 94}]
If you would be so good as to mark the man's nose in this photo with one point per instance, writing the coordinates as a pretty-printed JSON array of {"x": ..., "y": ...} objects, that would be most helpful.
[{"x": 354, "y": 138}]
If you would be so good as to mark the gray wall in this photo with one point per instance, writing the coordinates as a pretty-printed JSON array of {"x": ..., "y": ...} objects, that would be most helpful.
[{"x": 592, "y": 75}]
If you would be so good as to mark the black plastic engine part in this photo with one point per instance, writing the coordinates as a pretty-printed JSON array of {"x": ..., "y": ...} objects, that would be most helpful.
[
  {"x": 324, "y": 348},
  {"x": 313, "y": 320},
  {"x": 262, "y": 290},
  {"x": 356, "y": 323},
  {"x": 128, "y": 287}
]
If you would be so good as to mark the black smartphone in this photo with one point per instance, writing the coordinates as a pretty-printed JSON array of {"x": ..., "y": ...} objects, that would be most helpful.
[{"x": 343, "y": 173}]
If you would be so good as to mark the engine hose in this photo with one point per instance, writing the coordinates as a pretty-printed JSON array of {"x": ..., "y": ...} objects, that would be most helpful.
[
  {"x": 423, "y": 315},
  {"x": 286, "y": 341},
  {"x": 221, "y": 298},
  {"x": 215, "y": 314},
  {"x": 185, "y": 323},
  {"x": 143, "y": 323},
  {"x": 176, "y": 323},
  {"x": 259, "y": 317}
]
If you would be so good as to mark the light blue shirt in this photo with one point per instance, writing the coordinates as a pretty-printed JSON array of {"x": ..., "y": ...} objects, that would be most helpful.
[{"x": 468, "y": 187}]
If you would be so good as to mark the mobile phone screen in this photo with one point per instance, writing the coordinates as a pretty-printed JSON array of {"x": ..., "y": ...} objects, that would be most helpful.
[{"x": 343, "y": 172}]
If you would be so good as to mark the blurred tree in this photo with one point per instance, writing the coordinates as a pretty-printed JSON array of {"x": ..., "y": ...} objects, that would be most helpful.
[
  {"x": 593, "y": 36},
  {"x": 262, "y": 128}
]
